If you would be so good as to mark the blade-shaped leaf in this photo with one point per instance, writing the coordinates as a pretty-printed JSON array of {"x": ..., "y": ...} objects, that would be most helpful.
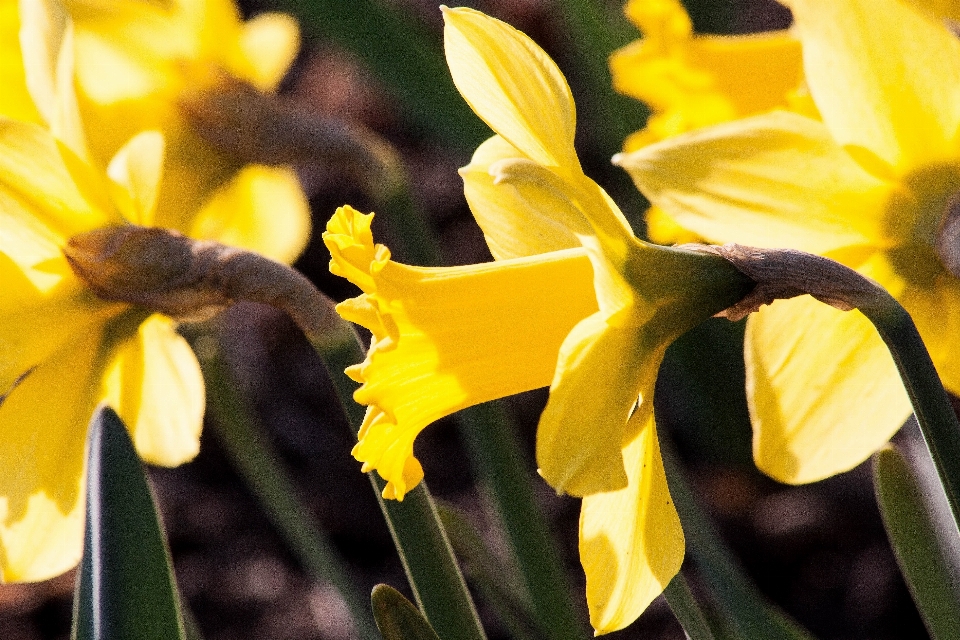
[
  {"x": 918, "y": 550},
  {"x": 397, "y": 618},
  {"x": 125, "y": 586}
]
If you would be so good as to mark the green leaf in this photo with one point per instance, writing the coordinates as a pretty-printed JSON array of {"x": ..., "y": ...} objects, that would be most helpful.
[
  {"x": 397, "y": 618},
  {"x": 125, "y": 585},
  {"x": 919, "y": 551}
]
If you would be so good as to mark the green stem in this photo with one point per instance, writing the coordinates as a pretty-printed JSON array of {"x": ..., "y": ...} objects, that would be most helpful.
[
  {"x": 498, "y": 459},
  {"x": 421, "y": 542},
  {"x": 749, "y": 614},
  {"x": 935, "y": 415},
  {"x": 261, "y": 468},
  {"x": 687, "y": 610}
]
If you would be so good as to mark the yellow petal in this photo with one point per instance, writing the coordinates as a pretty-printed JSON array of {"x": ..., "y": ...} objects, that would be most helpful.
[
  {"x": 138, "y": 167},
  {"x": 154, "y": 383},
  {"x": 774, "y": 180},
  {"x": 35, "y": 323},
  {"x": 46, "y": 40},
  {"x": 823, "y": 391},
  {"x": 512, "y": 227},
  {"x": 885, "y": 77},
  {"x": 936, "y": 311},
  {"x": 631, "y": 543},
  {"x": 513, "y": 85},
  {"x": 601, "y": 372},
  {"x": 662, "y": 21},
  {"x": 44, "y": 425},
  {"x": 15, "y": 101},
  {"x": 510, "y": 319},
  {"x": 46, "y": 193},
  {"x": 706, "y": 80},
  {"x": 267, "y": 45},
  {"x": 262, "y": 209}
]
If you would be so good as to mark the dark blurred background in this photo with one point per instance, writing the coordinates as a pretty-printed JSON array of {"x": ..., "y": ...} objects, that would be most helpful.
[{"x": 818, "y": 551}]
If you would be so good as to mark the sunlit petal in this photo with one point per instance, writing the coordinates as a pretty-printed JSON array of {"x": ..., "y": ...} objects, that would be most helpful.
[
  {"x": 137, "y": 167},
  {"x": 15, "y": 101},
  {"x": 267, "y": 45},
  {"x": 631, "y": 543},
  {"x": 774, "y": 180},
  {"x": 601, "y": 373},
  {"x": 512, "y": 227},
  {"x": 155, "y": 385},
  {"x": 823, "y": 391},
  {"x": 936, "y": 311},
  {"x": 885, "y": 77},
  {"x": 44, "y": 425},
  {"x": 262, "y": 209},
  {"x": 513, "y": 85},
  {"x": 510, "y": 320}
]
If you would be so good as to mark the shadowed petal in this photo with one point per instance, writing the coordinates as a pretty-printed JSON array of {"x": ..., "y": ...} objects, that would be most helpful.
[{"x": 823, "y": 391}]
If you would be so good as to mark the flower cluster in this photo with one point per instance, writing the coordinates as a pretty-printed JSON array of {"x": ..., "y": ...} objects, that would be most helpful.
[{"x": 67, "y": 168}]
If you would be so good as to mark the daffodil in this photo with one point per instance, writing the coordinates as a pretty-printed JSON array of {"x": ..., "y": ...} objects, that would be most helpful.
[
  {"x": 63, "y": 349},
  {"x": 573, "y": 301},
  {"x": 141, "y": 65},
  {"x": 873, "y": 185}
]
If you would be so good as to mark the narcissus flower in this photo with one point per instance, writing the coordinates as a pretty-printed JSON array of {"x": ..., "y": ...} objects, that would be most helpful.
[
  {"x": 692, "y": 80},
  {"x": 63, "y": 349},
  {"x": 573, "y": 300},
  {"x": 143, "y": 65},
  {"x": 874, "y": 185}
]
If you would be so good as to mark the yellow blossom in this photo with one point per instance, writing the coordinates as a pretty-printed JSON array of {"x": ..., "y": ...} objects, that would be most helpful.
[
  {"x": 874, "y": 185},
  {"x": 139, "y": 65},
  {"x": 573, "y": 301},
  {"x": 62, "y": 349}
]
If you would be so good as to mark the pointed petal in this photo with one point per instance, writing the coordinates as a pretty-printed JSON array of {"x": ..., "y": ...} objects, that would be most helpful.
[
  {"x": 266, "y": 47},
  {"x": 775, "y": 180},
  {"x": 155, "y": 385},
  {"x": 44, "y": 425},
  {"x": 823, "y": 391},
  {"x": 47, "y": 194},
  {"x": 138, "y": 167},
  {"x": 46, "y": 40},
  {"x": 511, "y": 226},
  {"x": 513, "y": 85},
  {"x": 262, "y": 209},
  {"x": 601, "y": 372},
  {"x": 885, "y": 77},
  {"x": 511, "y": 317},
  {"x": 631, "y": 543},
  {"x": 16, "y": 102}
]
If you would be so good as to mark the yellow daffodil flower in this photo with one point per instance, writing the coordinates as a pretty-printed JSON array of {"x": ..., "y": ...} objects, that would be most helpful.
[
  {"x": 140, "y": 65},
  {"x": 573, "y": 301},
  {"x": 692, "y": 80},
  {"x": 874, "y": 185},
  {"x": 62, "y": 349}
]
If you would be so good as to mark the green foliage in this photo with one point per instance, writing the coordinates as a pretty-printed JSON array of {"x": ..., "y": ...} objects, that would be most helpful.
[
  {"x": 125, "y": 585},
  {"x": 397, "y": 618}
]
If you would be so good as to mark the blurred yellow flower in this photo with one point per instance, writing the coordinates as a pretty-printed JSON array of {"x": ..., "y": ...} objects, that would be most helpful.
[
  {"x": 573, "y": 300},
  {"x": 874, "y": 185},
  {"x": 62, "y": 349},
  {"x": 138, "y": 67}
]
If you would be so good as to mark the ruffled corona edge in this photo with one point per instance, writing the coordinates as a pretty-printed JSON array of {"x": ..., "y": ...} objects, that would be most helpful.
[{"x": 384, "y": 445}]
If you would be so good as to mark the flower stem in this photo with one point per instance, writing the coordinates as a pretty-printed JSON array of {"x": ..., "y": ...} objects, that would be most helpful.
[
  {"x": 687, "y": 610},
  {"x": 261, "y": 468},
  {"x": 426, "y": 554},
  {"x": 748, "y": 613},
  {"x": 935, "y": 415},
  {"x": 499, "y": 460}
]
